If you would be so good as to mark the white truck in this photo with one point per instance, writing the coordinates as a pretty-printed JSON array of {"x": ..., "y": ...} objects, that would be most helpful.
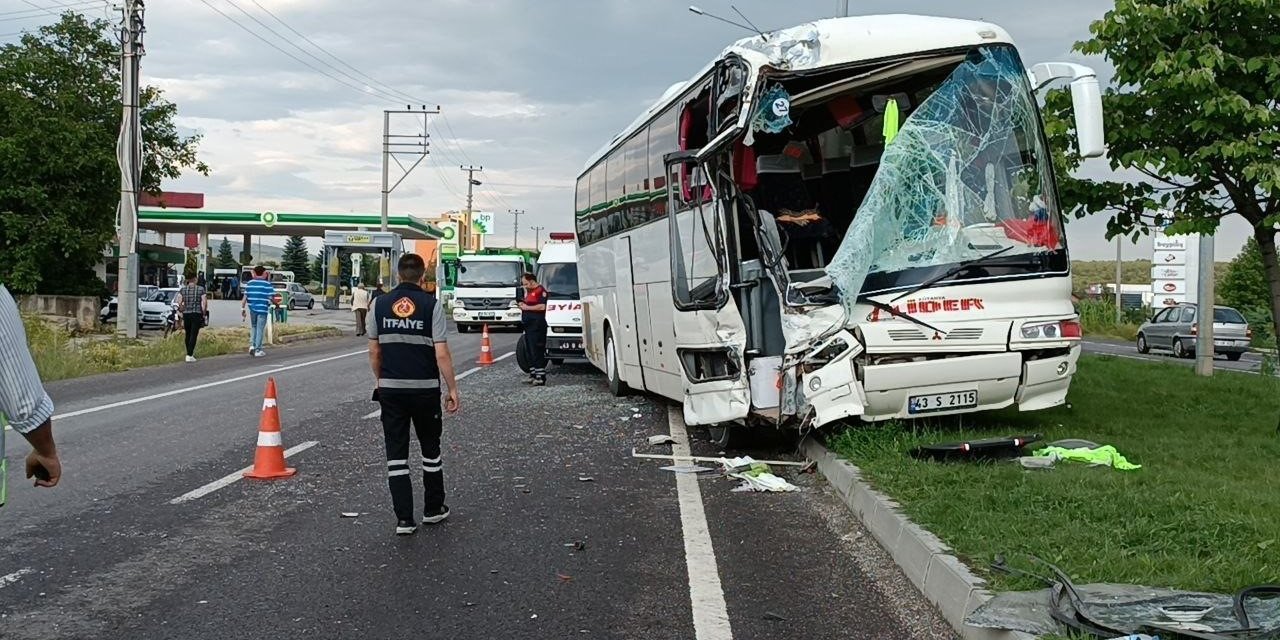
[{"x": 488, "y": 288}]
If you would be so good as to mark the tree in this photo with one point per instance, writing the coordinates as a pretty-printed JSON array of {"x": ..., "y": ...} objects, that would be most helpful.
[
  {"x": 317, "y": 267},
  {"x": 59, "y": 181},
  {"x": 226, "y": 259},
  {"x": 295, "y": 258},
  {"x": 1245, "y": 284},
  {"x": 1193, "y": 111},
  {"x": 190, "y": 268}
]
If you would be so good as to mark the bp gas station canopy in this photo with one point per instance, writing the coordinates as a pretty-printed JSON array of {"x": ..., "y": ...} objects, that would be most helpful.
[{"x": 281, "y": 224}]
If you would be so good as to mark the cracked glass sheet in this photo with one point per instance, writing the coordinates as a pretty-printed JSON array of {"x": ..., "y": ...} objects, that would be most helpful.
[
  {"x": 966, "y": 175},
  {"x": 1119, "y": 606}
]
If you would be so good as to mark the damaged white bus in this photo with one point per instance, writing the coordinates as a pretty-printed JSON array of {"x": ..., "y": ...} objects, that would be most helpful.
[{"x": 855, "y": 217}]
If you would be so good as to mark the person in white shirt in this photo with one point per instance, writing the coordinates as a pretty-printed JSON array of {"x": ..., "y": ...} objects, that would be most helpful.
[{"x": 360, "y": 304}]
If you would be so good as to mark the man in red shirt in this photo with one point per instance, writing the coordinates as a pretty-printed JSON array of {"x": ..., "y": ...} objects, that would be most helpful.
[{"x": 534, "y": 318}]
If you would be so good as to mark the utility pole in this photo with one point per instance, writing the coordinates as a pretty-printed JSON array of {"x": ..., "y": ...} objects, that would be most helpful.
[
  {"x": 515, "y": 227},
  {"x": 129, "y": 156},
  {"x": 537, "y": 238},
  {"x": 844, "y": 7},
  {"x": 1119, "y": 274},
  {"x": 466, "y": 216},
  {"x": 415, "y": 144},
  {"x": 1204, "y": 308}
]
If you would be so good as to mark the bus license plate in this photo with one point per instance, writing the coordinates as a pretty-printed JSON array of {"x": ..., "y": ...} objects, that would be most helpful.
[{"x": 942, "y": 401}]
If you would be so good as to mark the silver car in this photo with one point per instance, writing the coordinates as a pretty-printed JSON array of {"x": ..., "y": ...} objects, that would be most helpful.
[
  {"x": 1174, "y": 329},
  {"x": 298, "y": 295}
]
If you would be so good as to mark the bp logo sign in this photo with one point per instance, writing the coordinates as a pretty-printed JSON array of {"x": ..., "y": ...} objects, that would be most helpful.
[
  {"x": 268, "y": 219},
  {"x": 449, "y": 232}
]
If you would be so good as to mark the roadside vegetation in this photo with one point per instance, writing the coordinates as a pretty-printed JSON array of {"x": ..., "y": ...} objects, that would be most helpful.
[
  {"x": 60, "y": 355},
  {"x": 1202, "y": 513}
]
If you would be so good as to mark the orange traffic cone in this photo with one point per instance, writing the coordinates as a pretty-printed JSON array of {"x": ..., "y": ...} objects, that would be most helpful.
[
  {"x": 268, "y": 461},
  {"x": 486, "y": 351}
]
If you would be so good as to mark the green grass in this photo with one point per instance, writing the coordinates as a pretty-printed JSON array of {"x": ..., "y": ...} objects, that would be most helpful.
[
  {"x": 1203, "y": 513},
  {"x": 59, "y": 357},
  {"x": 1098, "y": 319}
]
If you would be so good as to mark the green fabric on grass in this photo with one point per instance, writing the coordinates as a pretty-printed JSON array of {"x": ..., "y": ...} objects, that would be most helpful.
[{"x": 1104, "y": 455}]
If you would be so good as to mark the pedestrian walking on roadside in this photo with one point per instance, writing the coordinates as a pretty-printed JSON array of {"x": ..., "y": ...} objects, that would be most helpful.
[
  {"x": 257, "y": 302},
  {"x": 360, "y": 304},
  {"x": 377, "y": 291},
  {"x": 226, "y": 288},
  {"x": 23, "y": 401},
  {"x": 193, "y": 303},
  {"x": 533, "y": 316},
  {"x": 409, "y": 355}
]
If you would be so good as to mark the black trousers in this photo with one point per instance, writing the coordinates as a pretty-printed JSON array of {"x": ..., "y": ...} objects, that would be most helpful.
[
  {"x": 191, "y": 323},
  {"x": 423, "y": 410},
  {"x": 535, "y": 344}
]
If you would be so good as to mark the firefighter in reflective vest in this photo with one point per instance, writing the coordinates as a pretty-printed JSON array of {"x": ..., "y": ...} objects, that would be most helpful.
[
  {"x": 534, "y": 318},
  {"x": 409, "y": 354}
]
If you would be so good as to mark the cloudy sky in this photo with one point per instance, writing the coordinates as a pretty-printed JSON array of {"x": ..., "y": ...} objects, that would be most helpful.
[{"x": 529, "y": 89}]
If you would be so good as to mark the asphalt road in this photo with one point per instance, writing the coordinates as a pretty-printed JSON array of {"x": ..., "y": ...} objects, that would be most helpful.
[
  {"x": 1249, "y": 363},
  {"x": 556, "y": 531}
]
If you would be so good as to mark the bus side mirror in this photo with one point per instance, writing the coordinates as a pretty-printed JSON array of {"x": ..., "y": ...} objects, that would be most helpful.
[{"x": 1086, "y": 102}]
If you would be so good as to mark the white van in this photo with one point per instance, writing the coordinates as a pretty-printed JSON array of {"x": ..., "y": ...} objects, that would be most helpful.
[{"x": 558, "y": 274}]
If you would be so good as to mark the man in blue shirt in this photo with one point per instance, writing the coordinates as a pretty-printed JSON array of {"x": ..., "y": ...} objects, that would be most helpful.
[{"x": 257, "y": 301}]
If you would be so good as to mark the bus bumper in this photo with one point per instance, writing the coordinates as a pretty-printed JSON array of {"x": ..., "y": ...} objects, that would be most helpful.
[{"x": 961, "y": 384}]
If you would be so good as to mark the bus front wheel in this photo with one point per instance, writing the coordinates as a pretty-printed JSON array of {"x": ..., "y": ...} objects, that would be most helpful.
[{"x": 616, "y": 386}]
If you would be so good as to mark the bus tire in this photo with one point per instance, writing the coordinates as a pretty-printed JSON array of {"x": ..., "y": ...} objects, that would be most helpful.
[
  {"x": 522, "y": 358},
  {"x": 724, "y": 436},
  {"x": 616, "y": 386}
]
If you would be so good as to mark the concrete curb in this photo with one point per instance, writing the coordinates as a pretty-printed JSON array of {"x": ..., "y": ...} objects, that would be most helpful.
[
  {"x": 927, "y": 562},
  {"x": 306, "y": 337}
]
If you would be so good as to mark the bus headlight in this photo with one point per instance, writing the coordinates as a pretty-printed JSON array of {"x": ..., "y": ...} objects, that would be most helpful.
[{"x": 1059, "y": 330}]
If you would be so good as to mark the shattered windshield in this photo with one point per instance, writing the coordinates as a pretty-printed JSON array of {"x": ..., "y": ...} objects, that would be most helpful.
[{"x": 965, "y": 176}]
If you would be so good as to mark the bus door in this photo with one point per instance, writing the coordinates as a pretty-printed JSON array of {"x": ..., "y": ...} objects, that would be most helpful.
[{"x": 710, "y": 336}]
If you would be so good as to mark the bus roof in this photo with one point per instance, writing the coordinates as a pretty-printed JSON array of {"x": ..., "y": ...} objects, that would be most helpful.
[{"x": 828, "y": 43}]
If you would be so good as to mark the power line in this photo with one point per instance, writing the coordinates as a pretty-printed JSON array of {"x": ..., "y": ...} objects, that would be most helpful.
[
  {"x": 41, "y": 9},
  {"x": 295, "y": 58},
  {"x": 372, "y": 80},
  {"x": 368, "y": 88}
]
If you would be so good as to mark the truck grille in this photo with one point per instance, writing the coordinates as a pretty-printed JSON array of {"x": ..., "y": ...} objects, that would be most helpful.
[{"x": 485, "y": 303}]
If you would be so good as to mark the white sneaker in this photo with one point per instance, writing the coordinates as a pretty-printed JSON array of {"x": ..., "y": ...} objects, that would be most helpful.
[
  {"x": 259, "y": 353},
  {"x": 191, "y": 359}
]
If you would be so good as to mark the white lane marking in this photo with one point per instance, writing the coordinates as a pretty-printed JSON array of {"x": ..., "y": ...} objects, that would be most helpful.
[
  {"x": 207, "y": 385},
  {"x": 11, "y": 578},
  {"x": 377, "y": 413},
  {"x": 710, "y": 613},
  {"x": 231, "y": 478}
]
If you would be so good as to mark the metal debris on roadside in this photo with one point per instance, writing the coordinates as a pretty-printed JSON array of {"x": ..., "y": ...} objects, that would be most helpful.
[
  {"x": 661, "y": 439},
  {"x": 769, "y": 615},
  {"x": 564, "y": 578},
  {"x": 350, "y": 514},
  {"x": 586, "y": 479},
  {"x": 686, "y": 468}
]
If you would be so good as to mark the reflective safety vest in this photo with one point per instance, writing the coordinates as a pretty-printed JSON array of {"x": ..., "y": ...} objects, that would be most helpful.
[{"x": 402, "y": 319}]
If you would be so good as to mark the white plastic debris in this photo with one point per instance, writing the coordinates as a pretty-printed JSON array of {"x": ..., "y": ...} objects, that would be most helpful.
[
  {"x": 350, "y": 514},
  {"x": 764, "y": 482},
  {"x": 662, "y": 439}
]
